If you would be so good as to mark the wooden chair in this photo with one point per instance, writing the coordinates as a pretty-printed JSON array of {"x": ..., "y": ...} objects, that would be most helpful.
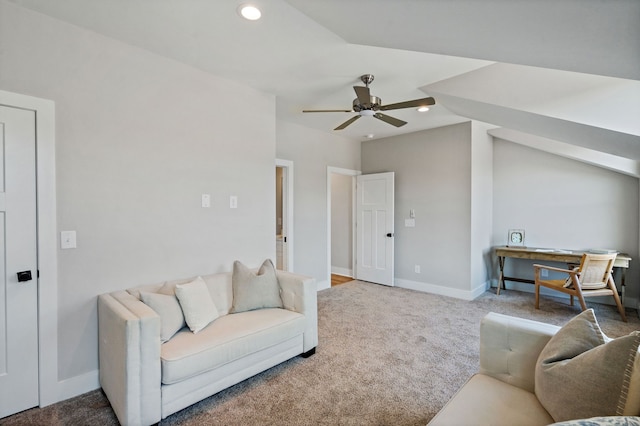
[{"x": 592, "y": 278}]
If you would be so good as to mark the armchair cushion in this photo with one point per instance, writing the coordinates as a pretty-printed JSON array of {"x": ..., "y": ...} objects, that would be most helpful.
[{"x": 580, "y": 374}]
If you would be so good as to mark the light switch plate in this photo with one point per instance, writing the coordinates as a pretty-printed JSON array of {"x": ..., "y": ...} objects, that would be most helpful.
[
  {"x": 206, "y": 200},
  {"x": 233, "y": 202},
  {"x": 68, "y": 239}
]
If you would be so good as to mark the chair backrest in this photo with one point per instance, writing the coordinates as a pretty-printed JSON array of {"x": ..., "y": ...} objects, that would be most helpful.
[{"x": 595, "y": 270}]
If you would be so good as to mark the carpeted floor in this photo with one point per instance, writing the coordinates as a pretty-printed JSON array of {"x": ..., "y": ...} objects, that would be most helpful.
[{"x": 386, "y": 356}]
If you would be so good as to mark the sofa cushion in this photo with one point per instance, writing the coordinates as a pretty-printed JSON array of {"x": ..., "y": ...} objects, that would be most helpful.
[
  {"x": 169, "y": 310},
  {"x": 228, "y": 338},
  {"x": 489, "y": 401},
  {"x": 580, "y": 373},
  {"x": 197, "y": 306},
  {"x": 255, "y": 291}
]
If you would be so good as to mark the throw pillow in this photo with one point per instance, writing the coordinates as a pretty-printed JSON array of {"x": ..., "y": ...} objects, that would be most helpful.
[
  {"x": 168, "y": 308},
  {"x": 255, "y": 291},
  {"x": 197, "y": 305},
  {"x": 580, "y": 374}
]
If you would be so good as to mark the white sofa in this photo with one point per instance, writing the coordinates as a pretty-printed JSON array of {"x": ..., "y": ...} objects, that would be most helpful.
[
  {"x": 146, "y": 380},
  {"x": 503, "y": 392}
]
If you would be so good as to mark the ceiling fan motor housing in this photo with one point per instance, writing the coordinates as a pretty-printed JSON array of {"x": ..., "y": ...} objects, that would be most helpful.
[{"x": 374, "y": 104}]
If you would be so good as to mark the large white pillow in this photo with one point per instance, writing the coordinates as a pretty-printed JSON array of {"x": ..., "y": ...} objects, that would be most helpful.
[
  {"x": 581, "y": 373},
  {"x": 168, "y": 308},
  {"x": 197, "y": 306},
  {"x": 255, "y": 291}
]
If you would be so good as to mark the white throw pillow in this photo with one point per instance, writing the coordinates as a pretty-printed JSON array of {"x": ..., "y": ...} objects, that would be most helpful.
[
  {"x": 197, "y": 305},
  {"x": 168, "y": 308}
]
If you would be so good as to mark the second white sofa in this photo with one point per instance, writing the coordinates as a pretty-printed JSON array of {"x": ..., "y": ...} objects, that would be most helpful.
[{"x": 146, "y": 380}]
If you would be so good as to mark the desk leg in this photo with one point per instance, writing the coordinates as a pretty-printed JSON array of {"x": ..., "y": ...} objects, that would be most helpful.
[{"x": 501, "y": 278}]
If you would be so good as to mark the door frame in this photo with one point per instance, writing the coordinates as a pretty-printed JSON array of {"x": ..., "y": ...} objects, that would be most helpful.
[
  {"x": 347, "y": 172},
  {"x": 287, "y": 198},
  {"x": 47, "y": 242}
]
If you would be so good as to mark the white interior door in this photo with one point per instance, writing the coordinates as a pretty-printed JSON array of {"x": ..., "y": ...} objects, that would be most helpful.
[
  {"x": 18, "y": 262},
  {"x": 374, "y": 228}
]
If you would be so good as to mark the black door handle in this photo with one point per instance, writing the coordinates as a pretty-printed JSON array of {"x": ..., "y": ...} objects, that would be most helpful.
[
  {"x": 24, "y": 276},
  {"x": 389, "y": 235}
]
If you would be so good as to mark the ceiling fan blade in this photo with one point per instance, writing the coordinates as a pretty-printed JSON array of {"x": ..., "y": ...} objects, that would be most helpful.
[
  {"x": 346, "y": 123},
  {"x": 363, "y": 94},
  {"x": 409, "y": 104},
  {"x": 327, "y": 110},
  {"x": 390, "y": 120}
]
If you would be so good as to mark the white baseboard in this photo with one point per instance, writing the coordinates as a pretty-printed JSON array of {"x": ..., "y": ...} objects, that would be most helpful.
[
  {"x": 323, "y": 285},
  {"x": 440, "y": 290},
  {"x": 341, "y": 271},
  {"x": 74, "y": 386}
]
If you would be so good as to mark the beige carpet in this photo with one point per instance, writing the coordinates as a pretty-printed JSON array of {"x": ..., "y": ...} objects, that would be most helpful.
[{"x": 387, "y": 356}]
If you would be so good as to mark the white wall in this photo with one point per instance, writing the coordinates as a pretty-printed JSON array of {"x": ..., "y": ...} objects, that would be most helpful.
[
  {"x": 563, "y": 203},
  {"x": 433, "y": 176},
  {"x": 139, "y": 139},
  {"x": 312, "y": 152},
  {"x": 481, "y": 206},
  {"x": 341, "y": 224}
]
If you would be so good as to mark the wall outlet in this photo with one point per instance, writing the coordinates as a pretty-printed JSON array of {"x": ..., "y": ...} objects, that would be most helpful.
[
  {"x": 544, "y": 273},
  {"x": 417, "y": 269}
]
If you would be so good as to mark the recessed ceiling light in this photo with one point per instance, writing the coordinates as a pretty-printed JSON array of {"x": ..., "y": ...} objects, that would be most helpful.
[
  {"x": 250, "y": 12},
  {"x": 369, "y": 136},
  {"x": 423, "y": 109}
]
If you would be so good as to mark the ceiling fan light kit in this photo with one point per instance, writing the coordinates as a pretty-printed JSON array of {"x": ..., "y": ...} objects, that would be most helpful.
[{"x": 367, "y": 105}]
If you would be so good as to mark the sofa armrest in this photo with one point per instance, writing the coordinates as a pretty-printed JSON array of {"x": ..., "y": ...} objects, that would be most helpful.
[
  {"x": 129, "y": 355},
  {"x": 300, "y": 294},
  {"x": 510, "y": 346}
]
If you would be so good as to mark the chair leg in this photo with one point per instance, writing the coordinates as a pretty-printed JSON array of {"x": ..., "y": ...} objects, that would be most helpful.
[
  {"x": 571, "y": 299},
  {"x": 537, "y": 305},
  {"x": 612, "y": 286},
  {"x": 581, "y": 300}
]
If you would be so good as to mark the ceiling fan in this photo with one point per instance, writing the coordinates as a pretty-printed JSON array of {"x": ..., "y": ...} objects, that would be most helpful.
[{"x": 367, "y": 105}]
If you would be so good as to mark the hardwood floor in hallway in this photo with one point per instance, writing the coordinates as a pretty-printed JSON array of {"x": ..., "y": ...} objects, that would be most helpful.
[{"x": 339, "y": 279}]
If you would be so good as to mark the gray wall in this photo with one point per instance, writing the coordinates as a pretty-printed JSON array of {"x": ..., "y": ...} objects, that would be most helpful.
[
  {"x": 312, "y": 152},
  {"x": 433, "y": 176},
  {"x": 562, "y": 203},
  {"x": 139, "y": 138},
  {"x": 341, "y": 224}
]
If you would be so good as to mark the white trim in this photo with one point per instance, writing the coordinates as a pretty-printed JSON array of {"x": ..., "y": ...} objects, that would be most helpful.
[
  {"x": 442, "y": 291},
  {"x": 78, "y": 385},
  {"x": 47, "y": 241},
  {"x": 324, "y": 285},
  {"x": 288, "y": 165},
  {"x": 345, "y": 272},
  {"x": 347, "y": 172}
]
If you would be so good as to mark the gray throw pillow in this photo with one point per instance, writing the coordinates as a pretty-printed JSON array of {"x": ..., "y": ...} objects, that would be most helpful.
[
  {"x": 255, "y": 291},
  {"x": 169, "y": 311},
  {"x": 580, "y": 374}
]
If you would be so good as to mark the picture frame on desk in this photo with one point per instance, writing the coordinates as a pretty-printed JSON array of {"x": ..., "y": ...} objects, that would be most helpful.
[{"x": 515, "y": 238}]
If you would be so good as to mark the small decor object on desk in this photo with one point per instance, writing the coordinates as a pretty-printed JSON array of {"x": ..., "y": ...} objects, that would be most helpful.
[{"x": 516, "y": 238}]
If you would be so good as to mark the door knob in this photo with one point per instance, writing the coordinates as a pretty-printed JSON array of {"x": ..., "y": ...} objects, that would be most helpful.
[
  {"x": 24, "y": 276},
  {"x": 390, "y": 235}
]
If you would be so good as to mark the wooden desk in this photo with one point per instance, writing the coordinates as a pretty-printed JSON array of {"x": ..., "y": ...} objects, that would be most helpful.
[{"x": 533, "y": 253}]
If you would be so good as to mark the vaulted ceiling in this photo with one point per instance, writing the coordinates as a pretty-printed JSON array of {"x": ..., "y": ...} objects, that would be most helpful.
[{"x": 565, "y": 71}]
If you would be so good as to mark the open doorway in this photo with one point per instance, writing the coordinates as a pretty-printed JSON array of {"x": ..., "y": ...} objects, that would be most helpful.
[
  {"x": 284, "y": 215},
  {"x": 341, "y": 219}
]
